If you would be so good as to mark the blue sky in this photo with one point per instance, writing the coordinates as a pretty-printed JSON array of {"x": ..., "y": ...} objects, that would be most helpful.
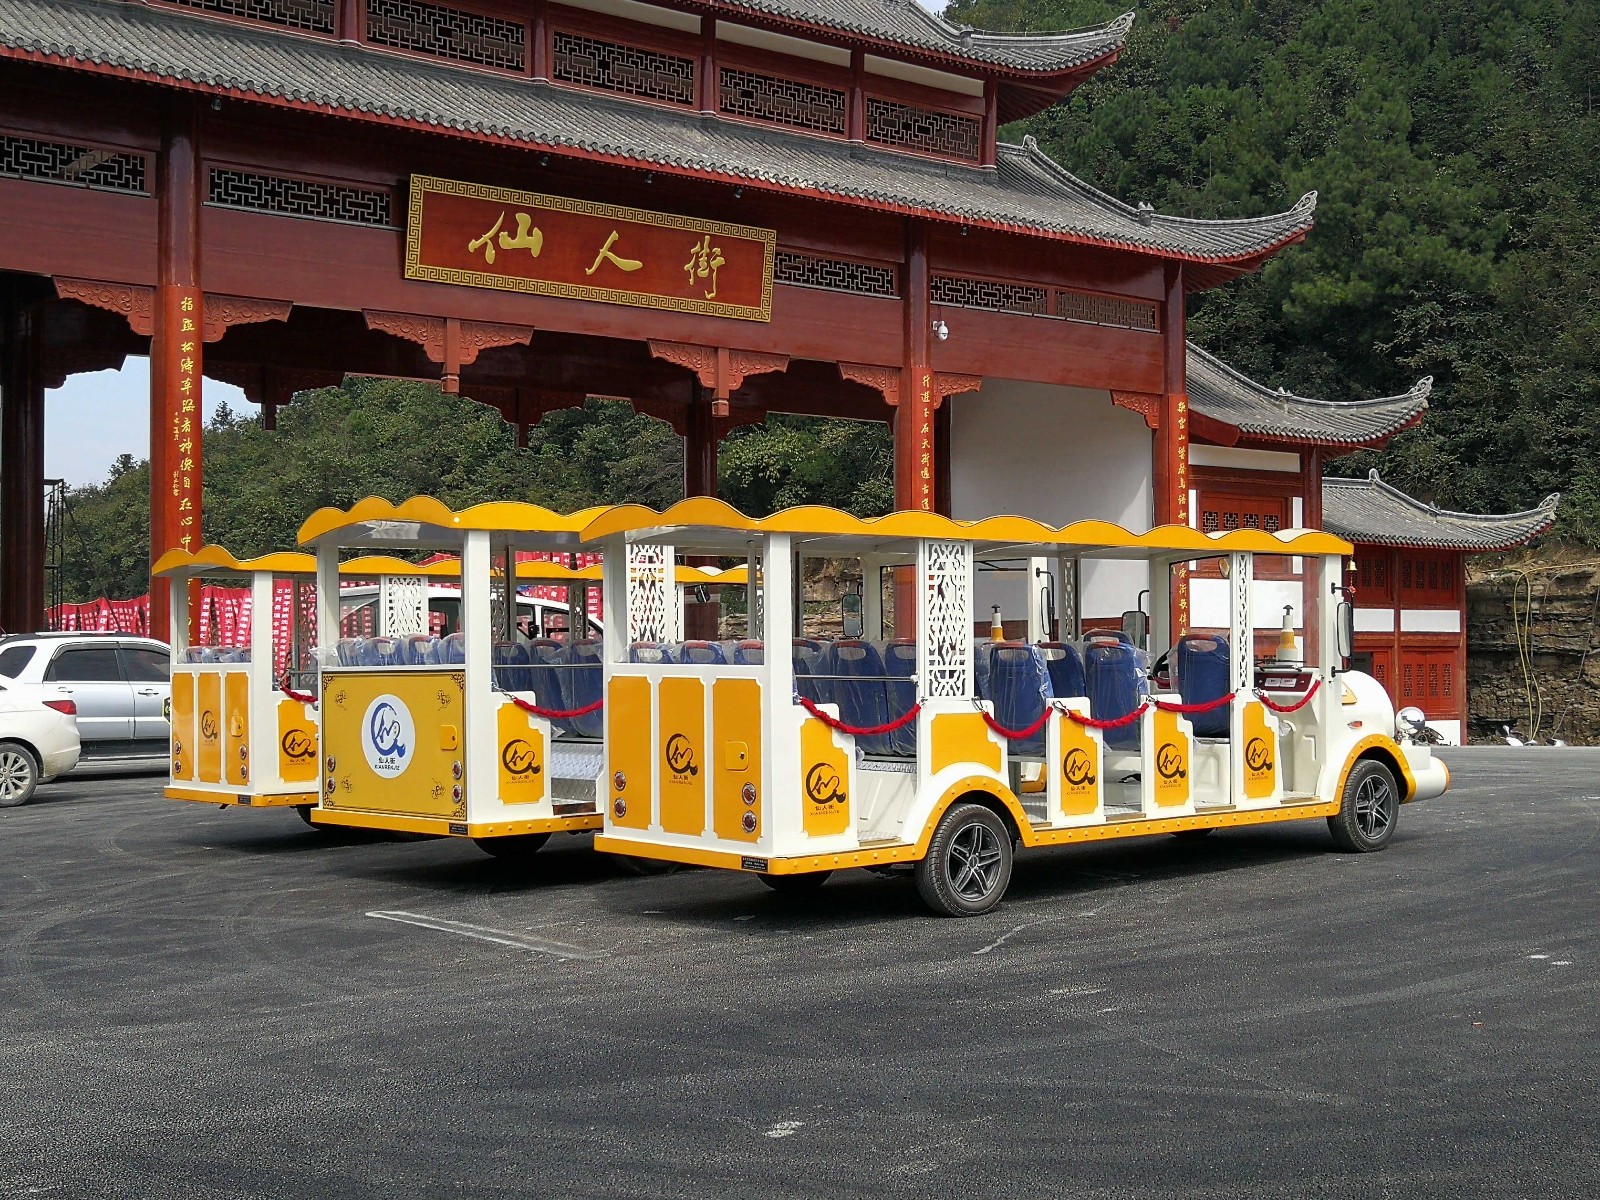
[{"x": 96, "y": 417}]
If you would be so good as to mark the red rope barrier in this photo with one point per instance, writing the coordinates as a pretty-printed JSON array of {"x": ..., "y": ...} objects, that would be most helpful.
[
  {"x": 1016, "y": 735},
  {"x": 556, "y": 714},
  {"x": 1114, "y": 723},
  {"x": 1203, "y": 706},
  {"x": 303, "y": 697},
  {"x": 1297, "y": 705},
  {"x": 860, "y": 730}
]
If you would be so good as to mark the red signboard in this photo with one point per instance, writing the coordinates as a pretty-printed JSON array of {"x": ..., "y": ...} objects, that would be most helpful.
[{"x": 482, "y": 236}]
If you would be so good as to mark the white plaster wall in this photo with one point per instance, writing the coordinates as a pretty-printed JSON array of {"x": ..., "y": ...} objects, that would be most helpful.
[{"x": 1055, "y": 454}]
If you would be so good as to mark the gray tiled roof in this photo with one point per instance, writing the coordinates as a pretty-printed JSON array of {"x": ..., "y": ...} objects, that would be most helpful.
[
  {"x": 1216, "y": 390},
  {"x": 1369, "y": 510},
  {"x": 907, "y": 23},
  {"x": 1027, "y": 192}
]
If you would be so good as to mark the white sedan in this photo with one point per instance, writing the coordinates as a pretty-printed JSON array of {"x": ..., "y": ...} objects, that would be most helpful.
[{"x": 38, "y": 741}]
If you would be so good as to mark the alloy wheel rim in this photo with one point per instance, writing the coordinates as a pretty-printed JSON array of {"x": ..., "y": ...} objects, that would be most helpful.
[
  {"x": 1374, "y": 807},
  {"x": 974, "y": 860},
  {"x": 14, "y": 774}
]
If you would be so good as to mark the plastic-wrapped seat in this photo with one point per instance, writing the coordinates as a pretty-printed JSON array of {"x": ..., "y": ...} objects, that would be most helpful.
[
  {"x": 1065, "y": 665},
  {"x": 511, "y": 666},
  {"x": 584, "y": 684},
  {"x": 651, "y": 652},
  {"x": 545, "y": 671},
  {"x": 419, "y": 650},
  {"x": 900, "y": 666},
  {"x": 861, "y": 690},
  {"x": 748, "y": 653},
  {"x": 453, "y": 649},
  {"x": 233, "y": 654},
  {"x": 1111, "y": 679},
  {"x": 1200, "y": 661},
  {"x": 345, "y": 648},
  {"x": 379, "y": 652},
  {"x": 1019, "y": 688},
  {"x": 810, "y": 657},
  {"x": 980, "y": 668},
  {"x": 702, "y": 654}
]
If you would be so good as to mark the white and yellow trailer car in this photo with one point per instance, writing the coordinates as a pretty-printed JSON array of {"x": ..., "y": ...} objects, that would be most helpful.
[
  {"x": 945, "y": 752},
  {"x": 482, "y": 734}
]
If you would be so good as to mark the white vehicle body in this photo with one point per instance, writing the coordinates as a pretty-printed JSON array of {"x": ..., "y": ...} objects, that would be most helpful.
[
  {"x": 47, "y": 737},
  {"x": 120, "y": 684}
]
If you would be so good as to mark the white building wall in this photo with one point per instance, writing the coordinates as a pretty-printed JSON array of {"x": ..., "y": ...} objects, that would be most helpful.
[{"x": 1055, "y": 454}]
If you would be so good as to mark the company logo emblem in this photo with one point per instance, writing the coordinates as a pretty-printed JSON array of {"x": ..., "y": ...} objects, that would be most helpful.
[
  {"x": 680, "y": 756},
  {"x": 1169, "y": 762},
  {"x": 166, "y": 710},
  {"x": 208, "y": 725},
  {"x": 1077, "y": 769},
  {"x": 388, "y": 736},
  {"x": 824, "y": 786},
  {"x": 298, "y": 745},
  {"x": 518, "y": 757},
  {"x": 1258, "y": 756}
]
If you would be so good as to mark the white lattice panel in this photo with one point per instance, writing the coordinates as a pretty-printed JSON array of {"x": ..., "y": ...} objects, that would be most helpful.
[
  {"x": 1241, "y": 633},
  {"x": 403, "y": 605},
  {"x": 498, "y": 603},
  {"x": 652, "y": 613},
  {"x": 944, "y": 619}
]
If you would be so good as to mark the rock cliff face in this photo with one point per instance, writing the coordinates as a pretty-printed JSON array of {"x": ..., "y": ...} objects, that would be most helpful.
[{"x": 1533, "y": 653}]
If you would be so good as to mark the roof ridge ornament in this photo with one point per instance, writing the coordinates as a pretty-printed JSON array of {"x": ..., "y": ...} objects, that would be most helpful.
[
  {"x": 1146, "y": 212},
  {"x": 1123, "y": 24}
]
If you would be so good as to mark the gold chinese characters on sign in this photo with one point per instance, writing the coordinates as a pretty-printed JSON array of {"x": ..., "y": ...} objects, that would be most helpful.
[{"x": 483, "y": 236}]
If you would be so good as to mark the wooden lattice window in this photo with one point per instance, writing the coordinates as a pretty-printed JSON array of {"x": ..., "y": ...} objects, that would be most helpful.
[
  {"x": 285, "y": 196},
  {"x": 1374, "y": 582},
  {"x": 41, "y": 161},
  {"x": 911, "y": 127},
  {"x": 1430, "y": 579},
  {"x": 1223, "y": 511},
  {"x": 834, "y": 274},
  {"x": 314, "y": 16},
  {"x": 1427, "y": 680},
  {"x": 451, "y": 33},
  {"x": 616, "y": 67},
  {"x": 763, "y": 97}
]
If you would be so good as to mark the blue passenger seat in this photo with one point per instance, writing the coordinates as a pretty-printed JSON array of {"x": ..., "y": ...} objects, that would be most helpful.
[
  {"x": 749, "y": 653},
  {"x": 419, "y": 650},
  {"x": 651, "y": 652},
  {"x": 345, "y": 648},
  {"x": 585, "y": 684},
  {"x": 809, "y": 659},
  {"x": 861, "y": 690},
  {"x": 544, "y": 672},
  {"x": 900, "y": 665},
  {"x": 511, "y": 666},
  {"x": 702, "y": 654},
  {"x": 1111, "y": 677},
  {"x": 1019, "y": 688},
  {"x": 379, "y": 652},
  {"x": 1201, "y": 664},
  {"x": 453, "y": 649},
  {"x": 1065, "y": 665}
]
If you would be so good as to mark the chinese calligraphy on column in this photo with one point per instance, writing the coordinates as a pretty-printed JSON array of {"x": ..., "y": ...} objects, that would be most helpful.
[
  {"x": 184, "y": 315},
  {"x": 1180, "y": 484}
]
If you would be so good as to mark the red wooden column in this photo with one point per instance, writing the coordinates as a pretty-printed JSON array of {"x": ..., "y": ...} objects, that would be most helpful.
[
  {"x": 21, "y": 469},
  {"x": 1172, "y": 433},
  {"x": 914, "y": 470},
  {"x": 175, "y": 357},
  {"x": 699, "y": 479}
]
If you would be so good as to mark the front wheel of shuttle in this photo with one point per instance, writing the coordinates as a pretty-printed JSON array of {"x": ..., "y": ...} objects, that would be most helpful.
[
  {"x": 968, "y": 865},
  {"x": 513, "y": 847},
  {"x": 1369, "y": 811},
  {"x": 808, "y": 881}
]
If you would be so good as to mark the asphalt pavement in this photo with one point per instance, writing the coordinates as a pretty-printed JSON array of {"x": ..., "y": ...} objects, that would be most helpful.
[{"x": 201, "y": 1003}]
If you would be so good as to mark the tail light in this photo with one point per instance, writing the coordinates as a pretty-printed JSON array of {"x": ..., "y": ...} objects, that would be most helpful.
[{"x": 70, "y": 707}]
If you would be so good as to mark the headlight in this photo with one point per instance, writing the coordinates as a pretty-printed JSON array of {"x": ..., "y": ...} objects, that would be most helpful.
[{"x": 1409, "y": 722}]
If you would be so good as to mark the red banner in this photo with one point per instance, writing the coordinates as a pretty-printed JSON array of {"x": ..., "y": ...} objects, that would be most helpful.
[
  {"x": 494, "y": 237},
  {"x": 183, "y": 445}
]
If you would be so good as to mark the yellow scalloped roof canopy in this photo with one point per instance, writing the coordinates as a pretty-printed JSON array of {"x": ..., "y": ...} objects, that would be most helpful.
[
  {"x": 216, "y": 558},
  {"x": 503, "y": 516},
  {"x": 818, "y": 521}
]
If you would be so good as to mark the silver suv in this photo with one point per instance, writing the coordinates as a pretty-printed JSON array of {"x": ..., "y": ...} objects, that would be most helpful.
[{"x": 122, "y": 685}]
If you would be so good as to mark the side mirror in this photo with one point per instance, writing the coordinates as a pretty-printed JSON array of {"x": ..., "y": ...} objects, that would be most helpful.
[
  {"x": 850, "y": 606},
  {"x": 1346, "y": 616},
  {"x": 1135, "y": 625}
]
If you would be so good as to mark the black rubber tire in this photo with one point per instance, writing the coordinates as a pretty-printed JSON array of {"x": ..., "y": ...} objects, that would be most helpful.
[
  {"x": 1194, "y": 835},
  {"x": 634, "y": 865},
  {"x": 514, "y": 846},
  {"x": 968, "y": 865},
  {"x": 304, "y": 812},
  {"x": 1368, "y": 811},
  {"x": 21, "y": 774},
  {"x": 792, "y": 884}
]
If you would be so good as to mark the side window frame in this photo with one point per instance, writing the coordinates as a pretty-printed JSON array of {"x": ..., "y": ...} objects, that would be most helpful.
[
  {"x": 125, "y": 660},
  {"x": 50, "y": 675}
]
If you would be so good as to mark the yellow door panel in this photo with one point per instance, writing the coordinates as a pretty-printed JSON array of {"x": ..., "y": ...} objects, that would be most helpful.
[
  {"x": 183, "y": 747},
  {"x": 962, "y": 738},
  {"x": 520, "y": 748},
  {"x": 683, "y": 755},
  {"x": 208, "y": 749},
  {"x": 824, "y": 777},
  {"x": 1172, "y": 755},
  {"x": 629, "y": 750},
  {"x": 736, "y": 730},
  {"x": 386, "y": 736},
  {"x": 297, "y": 743},
  {"x": 1260, "y": 753},
  {"x": 236, "y": 706},
  {"x": 1080, "y": 770}
]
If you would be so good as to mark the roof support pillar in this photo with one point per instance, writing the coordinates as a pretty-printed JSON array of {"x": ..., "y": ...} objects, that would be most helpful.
[
  {"x": 21, "y": 467},
  {"x": 175, "y": 352},
  {"x": 348, "y": 18},
  {"x": 1172, "y": 434},
  {"x": 701, "y": 434},
  {"x": 708, "y": 67},
  {"x": 855, "y": 121}
]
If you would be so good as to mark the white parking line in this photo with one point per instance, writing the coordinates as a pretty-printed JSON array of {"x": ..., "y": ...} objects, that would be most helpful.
[{"x": 500, "y": 937}]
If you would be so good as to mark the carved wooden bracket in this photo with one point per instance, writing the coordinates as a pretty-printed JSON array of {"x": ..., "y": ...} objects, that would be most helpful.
[
  {"x": 884, "y": 380},
  {"x": 449, "y": 341},
  {"x": 222, "y": 312},
  {"x": 271, "y": 387},
  {"x": 721, "y": 371},
  {"x": 947, "y": 383},
  {"x": 523, "y": 407},
  {"x": 1146, "y": 404},
  {"x": 137, "y": 304}
]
